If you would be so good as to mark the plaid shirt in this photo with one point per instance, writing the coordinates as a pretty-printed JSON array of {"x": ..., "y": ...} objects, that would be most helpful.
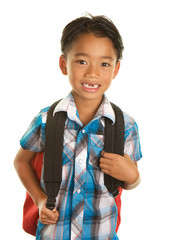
[{"x": 87, "y": 210}]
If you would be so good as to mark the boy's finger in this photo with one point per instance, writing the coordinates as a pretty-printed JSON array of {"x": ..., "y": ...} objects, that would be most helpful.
[
  {"x": 106, "y": 171},
  {"x": 48, "y": 221},
  {"x": 105, "y": 167},
  {"x": 55, "y": 210},
  {"x": 56, "y": 213},
  {"x": 108, "y": 155},
  {"x": 105, "y": 161},
  {"x": 46, "y": 213}
]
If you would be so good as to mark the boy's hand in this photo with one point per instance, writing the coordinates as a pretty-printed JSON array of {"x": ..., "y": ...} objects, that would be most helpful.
[
  {"x": 121, "y": 168},
  {"x": 47, "y": 216}
]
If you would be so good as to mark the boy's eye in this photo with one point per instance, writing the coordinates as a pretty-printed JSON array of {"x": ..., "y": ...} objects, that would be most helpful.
[
  {"x": 81, "y": 62},
  {"x": 105, "y": 64}
]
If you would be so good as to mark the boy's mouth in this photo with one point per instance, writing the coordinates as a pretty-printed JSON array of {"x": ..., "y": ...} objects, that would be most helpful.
[{"x": 91, "y": 86}]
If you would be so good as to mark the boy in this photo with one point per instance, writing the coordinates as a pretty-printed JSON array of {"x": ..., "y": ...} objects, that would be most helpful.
[{"x": 91, "y": 52}]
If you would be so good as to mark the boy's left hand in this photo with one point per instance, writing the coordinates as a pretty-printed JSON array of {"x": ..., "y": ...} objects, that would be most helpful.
[{"x": 119, "y": 167}]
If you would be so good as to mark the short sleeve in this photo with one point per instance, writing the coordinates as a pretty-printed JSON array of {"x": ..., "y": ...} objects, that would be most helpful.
[
  {"x": 34, "y": 137},
  {"x": 132, "y": 145}
]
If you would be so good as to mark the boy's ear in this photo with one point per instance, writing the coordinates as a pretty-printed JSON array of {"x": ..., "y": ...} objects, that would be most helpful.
[
  {"x": 62, "y": 64},
  {"x": 117, "y": 67}
]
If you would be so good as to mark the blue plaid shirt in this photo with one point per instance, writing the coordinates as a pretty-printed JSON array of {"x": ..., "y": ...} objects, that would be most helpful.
[{"x": 87, "y": 210}]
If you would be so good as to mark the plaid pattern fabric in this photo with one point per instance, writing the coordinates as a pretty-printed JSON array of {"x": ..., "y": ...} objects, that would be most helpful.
[{"x": 87, "y": 210}]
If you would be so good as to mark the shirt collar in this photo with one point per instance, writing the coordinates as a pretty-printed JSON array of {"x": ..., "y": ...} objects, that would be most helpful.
[
  {"x": 64, "y": 104},
  {"x": 68, "y": 105},
  {"x": 106, "y": 110}
]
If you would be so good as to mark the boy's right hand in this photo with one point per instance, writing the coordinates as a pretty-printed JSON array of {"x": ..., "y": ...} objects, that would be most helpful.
[{"x": 47, "y": 216}]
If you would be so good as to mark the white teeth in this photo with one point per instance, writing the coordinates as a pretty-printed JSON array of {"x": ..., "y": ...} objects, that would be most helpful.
[{"x": 90, "y": 86}]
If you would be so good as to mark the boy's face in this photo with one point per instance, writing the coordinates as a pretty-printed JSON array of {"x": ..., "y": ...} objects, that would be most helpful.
[{"x": 90, "y": 66}]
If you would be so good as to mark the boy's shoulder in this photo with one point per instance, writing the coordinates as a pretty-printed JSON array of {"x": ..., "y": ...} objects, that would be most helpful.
[
  {"x": 45, "y": 110},
  {"x": 129, "y": 121},
  {"x": 131, "y": 127},
  {"x": 43, "y": 114}
]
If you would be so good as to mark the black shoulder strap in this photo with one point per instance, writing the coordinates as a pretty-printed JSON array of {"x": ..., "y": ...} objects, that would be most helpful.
[
  {"x": 114, "y": 143},
  {"x": 53, "y": 154}
]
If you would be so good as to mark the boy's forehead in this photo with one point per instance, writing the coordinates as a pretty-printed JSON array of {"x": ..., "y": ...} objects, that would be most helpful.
[{"x": 89, "y": 44}]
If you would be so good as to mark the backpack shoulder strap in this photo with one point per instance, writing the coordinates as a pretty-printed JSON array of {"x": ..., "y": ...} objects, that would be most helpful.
[
  {"x": 54, "y": 132},
  {"x": 114, "y": 143}
]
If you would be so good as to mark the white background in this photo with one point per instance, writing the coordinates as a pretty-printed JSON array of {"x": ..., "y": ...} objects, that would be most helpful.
[{"x": 30, "y": 79}]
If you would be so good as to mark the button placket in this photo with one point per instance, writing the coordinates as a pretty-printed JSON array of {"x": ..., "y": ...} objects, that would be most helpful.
[
  {"x": 78, "y": 190},
  {"x": 79, "y": 179},
  {"x": 83, "y": 131},
  {"x": 80, "y": 161}
]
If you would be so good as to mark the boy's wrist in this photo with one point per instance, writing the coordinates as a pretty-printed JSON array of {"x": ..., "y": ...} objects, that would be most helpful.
[
  {"x": 127, "y": 186},
  {"x": 40, "y": 200}
]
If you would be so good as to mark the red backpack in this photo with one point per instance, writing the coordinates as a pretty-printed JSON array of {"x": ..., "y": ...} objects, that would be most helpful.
[
  {"x": 114, "y": 142},
  {"x": 30, "y": 210}
]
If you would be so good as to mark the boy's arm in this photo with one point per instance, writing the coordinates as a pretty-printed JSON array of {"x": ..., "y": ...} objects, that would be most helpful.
[
  {"x": 29, "y": 179},
  {"x": 121, "y": 168}
]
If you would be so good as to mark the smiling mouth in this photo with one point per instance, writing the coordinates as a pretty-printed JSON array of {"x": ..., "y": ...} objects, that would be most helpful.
[{"x": 91, "y": 86}]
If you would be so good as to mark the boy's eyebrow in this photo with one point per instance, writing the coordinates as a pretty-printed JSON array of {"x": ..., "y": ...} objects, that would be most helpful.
[
  {"x": 81, "y": 54},
  {"x": 108, "y": 57},
  {"x": 87, "y": 55}
]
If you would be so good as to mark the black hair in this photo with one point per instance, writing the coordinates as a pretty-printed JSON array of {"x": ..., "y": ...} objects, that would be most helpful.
[{"x": 100, "y": 26}]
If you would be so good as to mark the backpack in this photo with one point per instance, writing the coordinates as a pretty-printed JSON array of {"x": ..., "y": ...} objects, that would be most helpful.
[{"x": 54, "y": 131}]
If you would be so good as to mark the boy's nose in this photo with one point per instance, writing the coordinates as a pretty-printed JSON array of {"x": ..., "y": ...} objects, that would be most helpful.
[{"x": 92, "y": 72}]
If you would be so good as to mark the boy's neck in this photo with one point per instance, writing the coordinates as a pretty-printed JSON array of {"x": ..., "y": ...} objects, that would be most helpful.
[{"x": 87, "y": 108}]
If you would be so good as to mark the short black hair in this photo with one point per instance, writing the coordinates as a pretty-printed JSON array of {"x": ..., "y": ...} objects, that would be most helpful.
[{"x": 100, "y": 26}]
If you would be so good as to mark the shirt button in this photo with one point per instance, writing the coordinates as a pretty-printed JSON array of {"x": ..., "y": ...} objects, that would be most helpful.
[
  {"x": 78, "y": 190},
  {"x": 80, "y": 161},
  {"x": 83, "y": 131}
]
